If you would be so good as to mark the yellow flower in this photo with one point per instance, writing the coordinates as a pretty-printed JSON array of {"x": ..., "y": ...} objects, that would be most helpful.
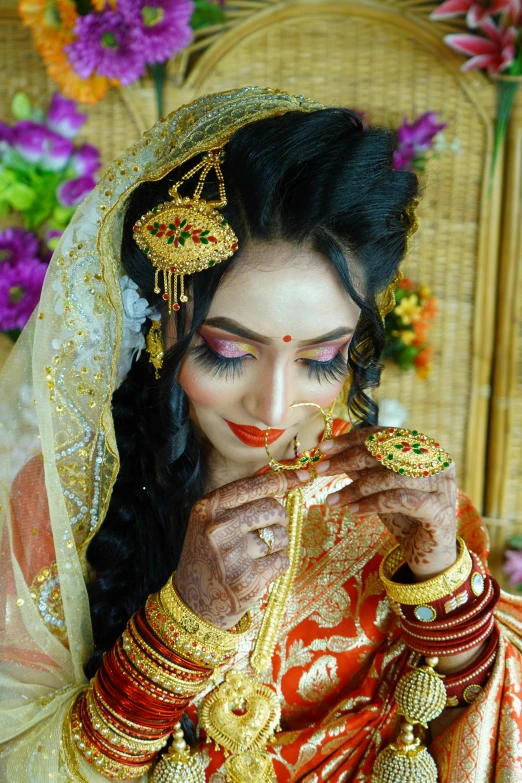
[
  {"x": 424, "y": 292},
  {"x": 409, "y": 309},
  {"x": 407, "y": 336}
]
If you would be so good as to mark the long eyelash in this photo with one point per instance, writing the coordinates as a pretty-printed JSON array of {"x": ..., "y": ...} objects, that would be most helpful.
[
  {"x": 228, "y": 369},
  {"x": 334, "y": 370}
]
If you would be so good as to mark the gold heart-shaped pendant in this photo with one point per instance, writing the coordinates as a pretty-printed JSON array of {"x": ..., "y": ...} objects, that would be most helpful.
[
  {"x": 241, "y": 714},
  {"x": 254, "y": 767}
]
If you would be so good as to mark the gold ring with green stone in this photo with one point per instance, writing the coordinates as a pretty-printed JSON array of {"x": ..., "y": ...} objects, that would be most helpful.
[{"x": 408, "y": 452}]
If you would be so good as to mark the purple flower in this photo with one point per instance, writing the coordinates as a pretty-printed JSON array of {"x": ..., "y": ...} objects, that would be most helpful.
[
  {"x": 72, "y": 192},
  {"x": 6, "y": 133},
  {"x": 17, "y": 244},
  {"x": 416, "y": 138},
  {"x": 110, "y": 45},
  {"x": 513, "y": 566},
  {"x": 37, "y": 144},
  {"x": 165, "y": 25},
  {"x": 20, "y": 288},
  {"x": 86, "y": 160},
  {"x": 63, "y": 118}
]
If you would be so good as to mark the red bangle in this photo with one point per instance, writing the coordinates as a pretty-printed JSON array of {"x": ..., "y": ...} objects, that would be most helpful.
[
  {"x": 150, "y": 637},
  {"x": 444, "y": 649},
  {"x": 465, "y": 686}
]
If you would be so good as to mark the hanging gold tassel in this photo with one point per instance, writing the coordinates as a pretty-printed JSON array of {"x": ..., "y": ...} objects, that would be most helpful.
[
  {"x": 421, "y": 697},
  {"x": 179, "y": 765}
]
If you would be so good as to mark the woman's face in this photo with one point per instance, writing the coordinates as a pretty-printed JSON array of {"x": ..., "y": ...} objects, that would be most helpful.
[{"x": 277, "y": 333}]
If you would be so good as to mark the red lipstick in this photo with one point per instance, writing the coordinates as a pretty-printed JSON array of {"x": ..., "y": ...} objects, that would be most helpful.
[{"x": 253, "y": 436}]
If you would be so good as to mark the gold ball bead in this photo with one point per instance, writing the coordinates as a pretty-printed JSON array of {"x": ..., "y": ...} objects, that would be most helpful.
[
  {"x": 414, "y": 766},
  {"x": 434, "y": 661},
  {"x": 420, "y": 695}
]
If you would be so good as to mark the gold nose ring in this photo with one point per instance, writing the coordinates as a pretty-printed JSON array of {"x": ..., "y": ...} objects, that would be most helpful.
[{"x": 309, "y": 457}]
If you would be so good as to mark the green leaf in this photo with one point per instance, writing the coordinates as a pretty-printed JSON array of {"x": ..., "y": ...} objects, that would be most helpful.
[
  {"x": 183, "y": 223},
  {"x": 83, "y": 7},
  {"x": 206, "y": 14},
  {"x": 182, "y": 240},
  {"x": 20, "y": 196},
  {"x": 170, "y": 240},
  {"x": 62, "y": 215},
  {"x": 203, "y": 240},
  {"x": 21, "y": 106}
]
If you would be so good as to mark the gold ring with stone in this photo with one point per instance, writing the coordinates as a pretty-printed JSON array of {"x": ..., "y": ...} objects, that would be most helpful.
[
  {"x": 266, "y": 534},
  {"x": 408, "y": 452}
]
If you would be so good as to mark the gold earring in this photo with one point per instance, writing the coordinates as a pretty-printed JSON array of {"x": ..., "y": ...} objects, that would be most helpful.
[
  {"x": 309, "y": 457},
  {"x": 155, "y": 347}
]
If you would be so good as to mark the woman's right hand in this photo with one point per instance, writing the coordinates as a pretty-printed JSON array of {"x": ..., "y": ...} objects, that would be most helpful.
[{"x": 224, "y": 565}]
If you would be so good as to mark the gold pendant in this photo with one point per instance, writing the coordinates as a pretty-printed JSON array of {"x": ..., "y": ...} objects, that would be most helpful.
[
  {"x": 240, "y": 715},
  {"x": 254, "y": 767}
]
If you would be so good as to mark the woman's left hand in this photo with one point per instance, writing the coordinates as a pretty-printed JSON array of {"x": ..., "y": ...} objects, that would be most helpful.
[{"x": 420, "y": 512}]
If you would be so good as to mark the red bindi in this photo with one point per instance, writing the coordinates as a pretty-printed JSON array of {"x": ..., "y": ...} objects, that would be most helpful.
[{"x": 287, "y": 338}]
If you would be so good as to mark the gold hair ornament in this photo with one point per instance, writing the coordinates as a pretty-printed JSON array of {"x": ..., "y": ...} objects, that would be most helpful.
[
  {"x": 155, "y": 347},
  {"x": 386, "y": 300},
  {"x": 187, "y": 234}
]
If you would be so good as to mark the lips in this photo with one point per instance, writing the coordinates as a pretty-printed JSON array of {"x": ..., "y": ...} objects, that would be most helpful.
[{"x": 253, "y": 436}]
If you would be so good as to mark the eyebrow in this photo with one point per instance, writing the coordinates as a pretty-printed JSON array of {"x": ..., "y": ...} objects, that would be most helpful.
[{"x": 229, "y": 325}]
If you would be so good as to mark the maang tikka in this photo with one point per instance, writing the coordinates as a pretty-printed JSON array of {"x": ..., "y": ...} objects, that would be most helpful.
[{"x": 187, "y": 234}]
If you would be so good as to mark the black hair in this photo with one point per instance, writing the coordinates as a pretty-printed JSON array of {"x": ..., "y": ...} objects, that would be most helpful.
[{"x": 319, "y": 180}]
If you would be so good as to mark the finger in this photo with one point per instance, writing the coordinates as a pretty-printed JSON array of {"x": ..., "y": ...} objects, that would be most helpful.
[
  {"x": 421, "y": 505},
  {"x": 348, "y": 440},
  {"x": 356, "y": 458},
  {"x": 267, "y": 485},
  {"x": 257, "y": 548},
  {"x": 252, "y": 516},
  {"x": 380, "y": 479},
  {"x": 272, "y": 567}
]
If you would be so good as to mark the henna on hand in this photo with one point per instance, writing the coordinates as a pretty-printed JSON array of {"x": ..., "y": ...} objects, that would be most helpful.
[
  {"x": 420, "y": 512},
  {"x": 224, "y": 567}
]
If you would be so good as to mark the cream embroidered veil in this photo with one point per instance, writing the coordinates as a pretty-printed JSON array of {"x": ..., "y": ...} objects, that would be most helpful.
[{"x": 58, "y": 456}]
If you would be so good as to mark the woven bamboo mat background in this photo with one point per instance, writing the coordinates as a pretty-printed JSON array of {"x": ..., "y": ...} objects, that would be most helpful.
[{"x": 374, "y": 66}]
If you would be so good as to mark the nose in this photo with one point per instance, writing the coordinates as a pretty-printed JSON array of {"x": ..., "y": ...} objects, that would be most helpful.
[{"x": 270, "y": 398}]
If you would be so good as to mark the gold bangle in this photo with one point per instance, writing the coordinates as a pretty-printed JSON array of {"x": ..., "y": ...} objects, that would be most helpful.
[
  {"x": 117, "y": 738},
  {"x": 157, "y": 688},
  {"x": 432, "y": 589},
  {"x": 157, "y": 675},
  {"x": 133, "y": 726},
  {"x": 224, "y": 641},
  {"x": 176, "y": 639},
  {"x": 101, "y": 763},
  {"x": 134, "y": 638}
]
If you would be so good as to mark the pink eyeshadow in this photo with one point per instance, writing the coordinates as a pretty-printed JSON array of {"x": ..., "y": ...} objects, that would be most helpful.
[{"x": 228, "y": 349}]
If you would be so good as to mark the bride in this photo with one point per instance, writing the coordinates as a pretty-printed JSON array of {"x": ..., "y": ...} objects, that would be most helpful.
[{"x": 204, "y": 532}]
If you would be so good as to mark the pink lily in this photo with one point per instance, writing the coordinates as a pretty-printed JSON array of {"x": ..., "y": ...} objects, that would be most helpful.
[
  {"x": 514, "y": 13},
  {"x": 496, "y": 52},
  {"x": 475, "y": 10}
]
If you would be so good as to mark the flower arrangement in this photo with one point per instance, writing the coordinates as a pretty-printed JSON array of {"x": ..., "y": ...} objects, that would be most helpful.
[
  {"x": 90, "y": 45},
  {"x": 43, "y": 175},
  {"x": 22, "y": 273},
  {"x": 494, "y": 44},
  {"x": 513, "y": 563},
  {"x": 43, "y": 178},
  {"x": 419, "y": 141},
  {"x": 406, "y": 328}
]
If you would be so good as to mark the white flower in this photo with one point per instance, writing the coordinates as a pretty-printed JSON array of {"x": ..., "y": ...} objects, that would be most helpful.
[
  {"x": 392, "y": 413},
  {"x": 135, "y": 311}
]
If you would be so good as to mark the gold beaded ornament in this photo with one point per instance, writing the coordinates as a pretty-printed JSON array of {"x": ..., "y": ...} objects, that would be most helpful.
[
  {"x": 420, "y": 697},
  {"x": 408, "y": 452},
  {"x": 187, "y": 234}
]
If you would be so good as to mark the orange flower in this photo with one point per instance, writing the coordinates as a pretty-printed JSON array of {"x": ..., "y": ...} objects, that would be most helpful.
[
  {"x": 430, "y": 309},
  {"x": 407, "y": 284},
  {"x": 423, "y": 363},
  {"x": 52, "y": 22}
]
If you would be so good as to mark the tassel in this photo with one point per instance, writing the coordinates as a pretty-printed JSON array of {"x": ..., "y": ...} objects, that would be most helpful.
[
  {"x": 179, "y": 765},
  {"x": 421, "y": 697}
]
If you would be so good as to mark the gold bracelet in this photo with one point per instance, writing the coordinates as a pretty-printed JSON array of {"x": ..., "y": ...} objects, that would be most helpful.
[
  {"x": 159, "y": 676},
  {"x": 432, "y": 589},
  {"x": 176, "y": 639},
  {"x": 225, "y": 641},
  {"x": 112, "y": 769},
  {"x": 155, "y": 682},
  {"x": 135, "y": 639},
  {"x": 116, "y": 737}
]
